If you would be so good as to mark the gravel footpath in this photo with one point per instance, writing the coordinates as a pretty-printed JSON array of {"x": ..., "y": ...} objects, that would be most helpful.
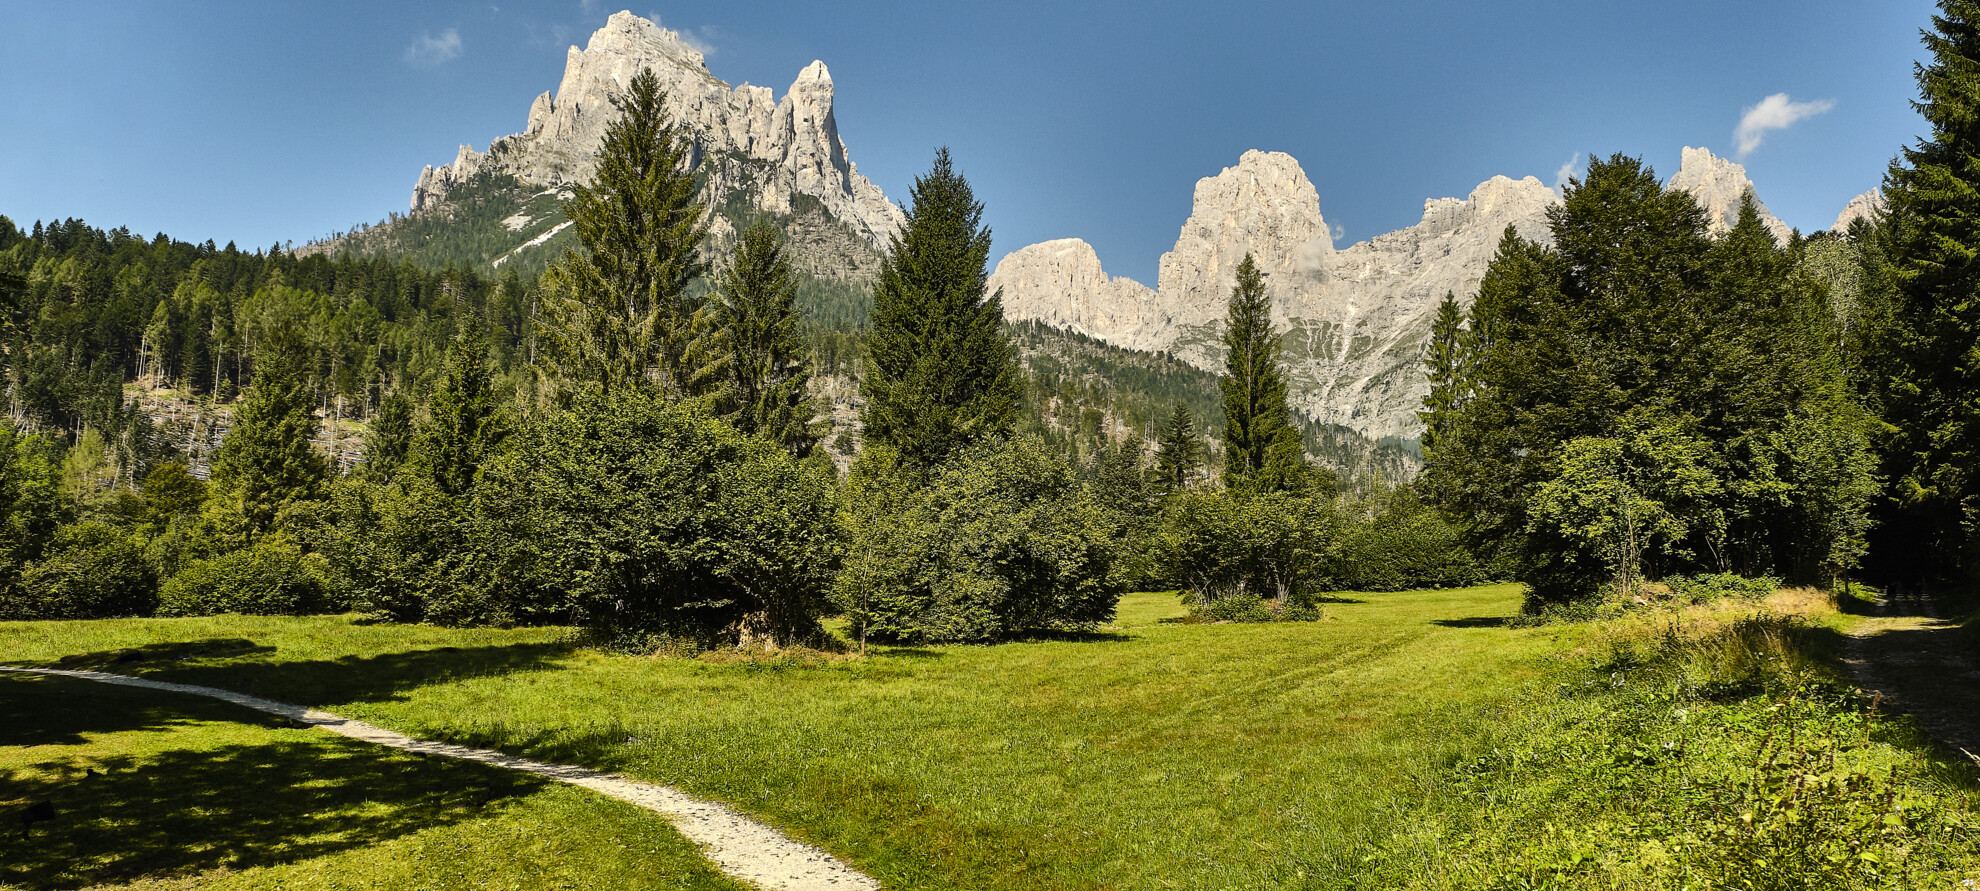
[{"x": 743, "y": 848}]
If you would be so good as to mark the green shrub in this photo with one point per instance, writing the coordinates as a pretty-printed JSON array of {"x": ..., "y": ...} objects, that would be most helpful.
[
  {"x": 1706, "y": 587},
  {"x": 637, "y": 517},
  {"x": 1249, "y": 557},
  {"x": 998, "y": 540},
  {"x": 1404, "y": 545},
  {"x": 91, "y": 570},
  {"x": 403, "y": 551},
  {"x": 271, "y": 578}
]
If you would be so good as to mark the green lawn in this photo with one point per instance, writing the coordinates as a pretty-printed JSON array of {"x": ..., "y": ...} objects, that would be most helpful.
[
  {"x": 1149, "y": 755},
  {"x": 1153, "y": 754}
]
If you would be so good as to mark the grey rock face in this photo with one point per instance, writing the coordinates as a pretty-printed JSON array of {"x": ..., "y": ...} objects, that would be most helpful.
[
  {"x": 771, "y": 153},
  {"x": 1717, "y": 185},
  {"x": 1862, "y": 207},
  {"x": 1356, "y": 319}
]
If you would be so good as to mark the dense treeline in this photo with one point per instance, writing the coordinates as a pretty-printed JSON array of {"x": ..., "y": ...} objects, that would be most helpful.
[
  {"x": 1640, "y": 400},
  {"x": 631, "y": 442}
]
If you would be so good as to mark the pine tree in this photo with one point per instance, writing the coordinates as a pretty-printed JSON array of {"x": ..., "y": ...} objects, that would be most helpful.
[
  {"x": 1260, "y": 444},
  {"x": 1448, "y": 360},
  {"x": 764, "y": 366},
  {"x": 464, "y": 424},
  {"x": 620, "y": 310},
  {"x": 940, "y": 371},
  {"x": 1178, "y": 451},
  {"x": 389, "y": 439},
  {"x": 267, "y": 461},
  {"x": 1933, "y": 396}
]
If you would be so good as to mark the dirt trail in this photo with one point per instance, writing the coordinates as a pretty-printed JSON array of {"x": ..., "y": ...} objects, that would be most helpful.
[
  {"x": 1913, "y": 654},
  {"x": 743, "y": 848}
]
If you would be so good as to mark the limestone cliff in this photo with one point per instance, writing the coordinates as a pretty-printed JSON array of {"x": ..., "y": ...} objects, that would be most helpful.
[
  {"x": 759, "y": 154},
  {"x": 1356, "y": 319},
  {"x": 1717, "y": 185},
  {"x": 1862, "y": 207}
]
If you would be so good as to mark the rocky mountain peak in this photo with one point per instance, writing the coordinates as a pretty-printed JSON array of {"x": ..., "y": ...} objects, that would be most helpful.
[
  {"x": 1862, "y": 207},
  {"x": 1266, "y": 207},
  {"x": 1718, "y": 184},
  {"x": 772, "y": 152}
]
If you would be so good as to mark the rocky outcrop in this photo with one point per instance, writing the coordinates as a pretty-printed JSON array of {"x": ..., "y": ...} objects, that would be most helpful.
[
  {"x": 1862, "y": 207},
  {"x": 1718, "y": 185},
  {"x": 771, "y": 155},
  {"x": 1355, "y": 319},
  {"x": 1061, "y": 283}
]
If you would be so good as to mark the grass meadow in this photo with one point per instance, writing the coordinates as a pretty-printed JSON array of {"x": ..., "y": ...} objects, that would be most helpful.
[{"x": 1413, "y": 739}]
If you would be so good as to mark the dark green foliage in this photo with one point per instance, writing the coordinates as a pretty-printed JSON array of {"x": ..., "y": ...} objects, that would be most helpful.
[
  {"x": 91, "y": 570},
  {"x": 763, "y": 373},
  {"x": 406, "y": 552},
  {"x": 621, "y": 309},
  {"x": 1931, "y": 379},
  {"x": 998, "y": 540},
  {"x": 1243, "y": 555},
  {"x": 465, "y": 424},
  {"x": 940, "y": 372},
  {"x": 1262, "y": 449},
  {"x": 267, "y": 461},
  {"x": 1648, "y": 400},
  {"x": 1402, "y": 544},
  {"x": 388, "y": 441},
  {"x": 171, "y": 491},
  {"x": 1448, "y": 361},
  {"x": 272, "y": 577},
  {"x": 636, "y": 517},
  {"x": 32, "y": 508},
  {"x": 1178, "y": 451}
]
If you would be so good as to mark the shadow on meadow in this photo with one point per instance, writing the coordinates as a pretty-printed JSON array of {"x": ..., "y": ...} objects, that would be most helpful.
[
  {"x": 246, "y": 667},
  {"x": 178, "y": 804}
]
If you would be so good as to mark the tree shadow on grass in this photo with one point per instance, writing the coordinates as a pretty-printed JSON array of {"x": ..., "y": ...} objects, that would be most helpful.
[
  {"x": 177, "y": 804},
  {"x": 244, "y": 667},
  {"x": 1475, "y": 622}
]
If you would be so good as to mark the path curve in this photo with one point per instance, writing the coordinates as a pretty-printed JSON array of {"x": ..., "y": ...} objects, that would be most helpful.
[
  {"x": 743, "y": 848},
  {"x": 1907, "y": 652}
]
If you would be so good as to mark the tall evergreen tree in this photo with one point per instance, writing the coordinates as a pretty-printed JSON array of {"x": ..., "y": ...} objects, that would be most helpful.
[
  {"x": 619, "y": 312},
  {"x": 764, "y": 367},
  {"x": 1448, "y": 362},
  {"x": 389, "y": 438},
  {"x": 940, "y": 371},
  {"x": 267, "y": 462},
  {"x": 1178, "y": 451},
  {"x": 464, "y": 424},
  {"x": 1932, "y": 397},
  {"x": 1259, "y": 440}
]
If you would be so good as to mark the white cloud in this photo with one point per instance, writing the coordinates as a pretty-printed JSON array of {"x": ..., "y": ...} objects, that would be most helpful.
[
  {"x": 431, "y": 50},
  {"x": 1568, "y": 171},
  {"x": 1338, "y": 232},
  {"x": 1775, "y": 112}
]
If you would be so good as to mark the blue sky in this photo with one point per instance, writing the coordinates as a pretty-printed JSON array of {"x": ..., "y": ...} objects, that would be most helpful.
[{"x": 268, "y": 122}]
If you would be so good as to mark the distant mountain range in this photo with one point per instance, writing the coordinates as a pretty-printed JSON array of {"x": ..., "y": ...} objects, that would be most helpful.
[{"x": 1356, "y": 319}]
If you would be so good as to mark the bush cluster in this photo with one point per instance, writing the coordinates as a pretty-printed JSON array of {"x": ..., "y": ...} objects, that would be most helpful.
[{"x": 998, "y": 540}]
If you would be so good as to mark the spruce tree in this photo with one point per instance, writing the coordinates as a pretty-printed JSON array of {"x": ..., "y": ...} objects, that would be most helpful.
[
  {"x": 388, "y": 439},
  {"x": 1932, "y": 398},
  {"x": 1447, "y": 361},
  {"x": 1178, "y": 451},
  {"x": 940, "y": 371},
  {"x": 619, "y": 312},
  {"x": 764, "y": 368},
  {"x": 1261, "y": 447},
  {"x": 464, "y": 424},
  {"x": 267, "y": 462}
]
